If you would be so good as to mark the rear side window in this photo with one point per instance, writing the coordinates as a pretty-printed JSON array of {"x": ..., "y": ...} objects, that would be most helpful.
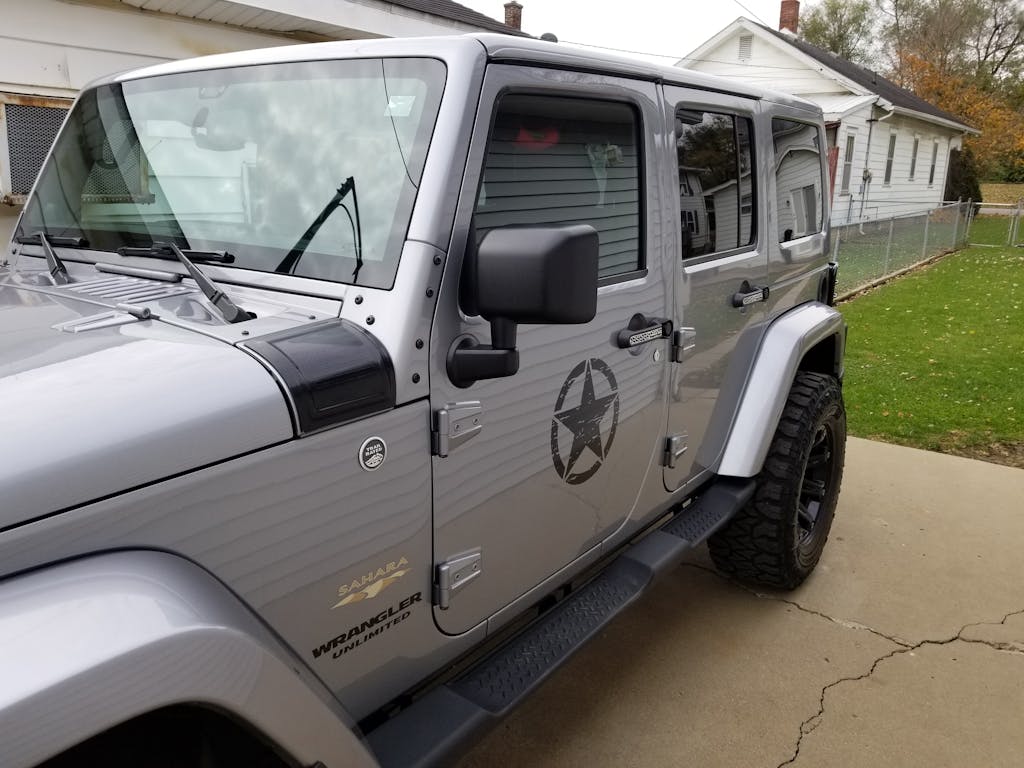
[
  {"x": 798, "y": 179},
  {"x": 716, "y": 182},
  {"x": 554, "y": 160}
]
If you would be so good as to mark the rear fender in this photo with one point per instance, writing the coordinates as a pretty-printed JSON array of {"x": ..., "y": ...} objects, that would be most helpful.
[
  {"x": 811, "y": 337},
  {"x": 95, "y": 642}
]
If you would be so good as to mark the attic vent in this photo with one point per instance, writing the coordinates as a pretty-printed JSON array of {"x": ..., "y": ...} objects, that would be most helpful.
[
  {"x": 127, "y": 290},
  {"x": 746, "y": 44}
]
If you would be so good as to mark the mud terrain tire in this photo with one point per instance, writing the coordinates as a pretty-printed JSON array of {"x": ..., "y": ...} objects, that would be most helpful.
[{"x": 777, "y": 538}]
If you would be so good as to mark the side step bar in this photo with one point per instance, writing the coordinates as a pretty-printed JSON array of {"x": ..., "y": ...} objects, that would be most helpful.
[{"x": 435, "y": 728}]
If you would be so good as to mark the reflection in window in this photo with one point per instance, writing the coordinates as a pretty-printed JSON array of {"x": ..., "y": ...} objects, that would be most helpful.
[
  {"x": 798, "y": 180},
  {"x": 715, "y": 168},
  {"x": 555, "y": 160}
]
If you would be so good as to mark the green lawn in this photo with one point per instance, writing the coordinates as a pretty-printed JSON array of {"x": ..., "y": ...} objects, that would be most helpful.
[
  {"x": 935, "y": 359},
  {"x": 991, "y": 230}
]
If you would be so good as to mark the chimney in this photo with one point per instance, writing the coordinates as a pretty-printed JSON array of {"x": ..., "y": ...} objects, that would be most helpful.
[
  {"x": 514, "y": 14},
  {"x": 789, "y": 16}
]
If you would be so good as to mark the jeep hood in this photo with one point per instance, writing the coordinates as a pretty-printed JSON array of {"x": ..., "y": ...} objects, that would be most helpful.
[{"x": 95, "y": 402}]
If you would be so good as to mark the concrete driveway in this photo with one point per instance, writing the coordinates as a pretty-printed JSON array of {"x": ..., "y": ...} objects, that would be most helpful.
[{"x": 905, "y": 648}]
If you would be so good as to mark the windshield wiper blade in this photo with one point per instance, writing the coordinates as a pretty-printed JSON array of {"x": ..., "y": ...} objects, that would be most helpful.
[
  {"x": 58, "y": 240},
  {"x": 227, "y": 308},
  {"x": 163, "y": 251},
  {"x": 291, "y": 259}
]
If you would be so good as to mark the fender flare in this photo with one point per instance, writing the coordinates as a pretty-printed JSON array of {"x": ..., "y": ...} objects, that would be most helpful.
[
  {"x": 785, "y": 344},
  {"x": 92, "y": 643}
]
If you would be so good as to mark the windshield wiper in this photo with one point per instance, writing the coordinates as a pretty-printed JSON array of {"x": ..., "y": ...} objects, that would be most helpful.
[
  {"x": 58, "y": 240},
  {"x": 291, "y": 260},
  {"x": 163, "y": 251},
  {"x": 225, "y": 306},
  {"x": 58, "y": 272}
]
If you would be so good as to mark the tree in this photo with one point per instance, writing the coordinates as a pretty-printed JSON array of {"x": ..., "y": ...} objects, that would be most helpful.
[
  {"x": 844, "y": 27},
  {"x": 962, "y": 177}
]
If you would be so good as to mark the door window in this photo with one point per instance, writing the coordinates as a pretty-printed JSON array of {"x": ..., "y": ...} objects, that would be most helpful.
[
  {"x": 716, "y": 184},
  {"x": 555, "y": 160},
  {"x": 798, "y": 179}
]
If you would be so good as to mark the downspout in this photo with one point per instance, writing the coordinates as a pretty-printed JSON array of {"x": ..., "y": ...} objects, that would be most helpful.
[{"x": 867, "y": 175}]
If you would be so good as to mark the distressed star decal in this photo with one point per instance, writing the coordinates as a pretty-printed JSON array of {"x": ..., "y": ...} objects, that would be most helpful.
[{"x": 584, "y": 422}]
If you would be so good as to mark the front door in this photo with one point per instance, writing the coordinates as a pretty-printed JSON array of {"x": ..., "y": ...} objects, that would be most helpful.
[
  {"x": 720, "y": 274},
  {"x": 544, "y": 465}
]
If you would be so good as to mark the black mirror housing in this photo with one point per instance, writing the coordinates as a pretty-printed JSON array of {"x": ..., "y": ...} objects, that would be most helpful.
[{"x": 537, "y": 274}]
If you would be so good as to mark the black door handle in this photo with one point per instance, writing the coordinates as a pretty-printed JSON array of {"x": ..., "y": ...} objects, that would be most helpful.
[
  {"x": 642, "y": 330},
  {"x": 749, "y": 294}
]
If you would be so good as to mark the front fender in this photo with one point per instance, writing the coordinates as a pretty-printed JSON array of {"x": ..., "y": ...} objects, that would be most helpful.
[
  {"x": 784, "y": 346},
  {"x": 95, "y": 642}
]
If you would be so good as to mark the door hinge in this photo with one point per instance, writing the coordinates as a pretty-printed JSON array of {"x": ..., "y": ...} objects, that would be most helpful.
[
  {"x": 454, "y": 575},
  {"x": 684, "y": 341},
  {"x": 454, "y": 425},
  {"x": 675, "y": 446}
]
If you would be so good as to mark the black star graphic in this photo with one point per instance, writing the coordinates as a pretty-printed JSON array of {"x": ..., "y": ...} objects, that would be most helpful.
[{"x": 584, "y": 421}]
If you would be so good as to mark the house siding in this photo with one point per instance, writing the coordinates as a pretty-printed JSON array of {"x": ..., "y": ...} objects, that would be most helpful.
[{"x": 768, "y": 67}]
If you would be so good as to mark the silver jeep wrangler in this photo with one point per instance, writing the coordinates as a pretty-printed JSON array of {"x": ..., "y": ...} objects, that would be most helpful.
[{"x": 350, "y": 388}]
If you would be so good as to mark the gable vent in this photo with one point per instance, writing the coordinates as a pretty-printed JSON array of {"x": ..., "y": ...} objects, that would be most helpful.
[
  {"x": 746, "y": 44},
  {"x": 127, "y": 290}
]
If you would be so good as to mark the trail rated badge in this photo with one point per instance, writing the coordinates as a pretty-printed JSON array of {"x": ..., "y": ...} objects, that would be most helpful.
[{"x": 586, "y": 416}]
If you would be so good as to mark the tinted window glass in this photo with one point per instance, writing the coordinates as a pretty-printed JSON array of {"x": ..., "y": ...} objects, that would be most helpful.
[
  {"x": 716, "y": 183},
  {"x": 554, "y": 160},
  {"x": 798, "y": 181}
]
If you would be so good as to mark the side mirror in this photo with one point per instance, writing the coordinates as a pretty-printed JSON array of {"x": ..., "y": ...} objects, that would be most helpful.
[{"x": 523, "y": 275}]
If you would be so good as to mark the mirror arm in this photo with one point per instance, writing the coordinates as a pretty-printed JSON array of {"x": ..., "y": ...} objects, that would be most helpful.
[{"x": 469, "y": 361}]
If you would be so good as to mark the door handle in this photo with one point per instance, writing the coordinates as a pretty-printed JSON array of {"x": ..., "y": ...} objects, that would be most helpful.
[
  {"x": 749, "y": 294},
  {"x": 642, "y": 330}
]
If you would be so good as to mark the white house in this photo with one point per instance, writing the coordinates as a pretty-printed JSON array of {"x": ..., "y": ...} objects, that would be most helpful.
[
  {"x": 49, "y": 49},
  {"x": 888, "y": 149}
]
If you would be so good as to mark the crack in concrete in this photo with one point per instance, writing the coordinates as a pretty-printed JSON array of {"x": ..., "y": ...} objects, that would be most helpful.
[
  {"x": 845, "y": 623},
  {"x": 812, "y": 722}
]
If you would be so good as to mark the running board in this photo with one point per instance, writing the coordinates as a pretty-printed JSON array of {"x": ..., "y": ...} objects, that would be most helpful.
[{"x": 437, "y": 727}]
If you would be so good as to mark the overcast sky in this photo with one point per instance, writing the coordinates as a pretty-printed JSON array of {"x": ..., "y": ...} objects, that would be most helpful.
[{"x": 649, "y": 26}]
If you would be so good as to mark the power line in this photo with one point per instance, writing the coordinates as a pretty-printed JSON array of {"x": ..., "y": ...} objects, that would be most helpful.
[{"x": 741, "y": 5}]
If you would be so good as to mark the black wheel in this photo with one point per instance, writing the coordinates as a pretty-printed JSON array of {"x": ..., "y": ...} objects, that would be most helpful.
[{"x": 777, "y": 538}]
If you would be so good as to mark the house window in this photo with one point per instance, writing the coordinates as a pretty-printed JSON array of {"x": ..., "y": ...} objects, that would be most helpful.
[
  {"x": 798, "y": 178},
  {"x": 746, "y": 47},
  {"x": 913, "y": 157},
  {"x": 714, "y": 157},
  {"x": 685, "y": 190},
  {"x": 888, "y": 158},
  {"x": 935, "y": 156},
  {"x": 553, "y": 160},
  {"x": 844, "y": 186}
]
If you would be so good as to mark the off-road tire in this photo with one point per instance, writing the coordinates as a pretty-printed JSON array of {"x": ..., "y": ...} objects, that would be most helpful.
[{"x": 773, "y": 541}]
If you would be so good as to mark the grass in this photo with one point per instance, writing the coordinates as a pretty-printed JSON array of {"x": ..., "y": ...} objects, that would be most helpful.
[
  {"x": 992, "y": 230},
  {"x": 1002, "y": 193},
  {"x": 935, "y": 359}
]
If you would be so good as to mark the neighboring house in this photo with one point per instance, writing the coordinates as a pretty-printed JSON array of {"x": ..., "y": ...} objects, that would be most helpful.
[
  {"x": 888, "y": 149},
  {"x": 51, "y": 48}
]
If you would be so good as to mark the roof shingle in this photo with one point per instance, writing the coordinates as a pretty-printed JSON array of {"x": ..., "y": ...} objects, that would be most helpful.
[{"x": 447, "y": 9}]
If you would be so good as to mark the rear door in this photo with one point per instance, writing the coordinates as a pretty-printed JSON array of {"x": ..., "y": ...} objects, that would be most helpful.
[
  {"x": 720, "y": 272},
  {"x": 542, "y": 466}
]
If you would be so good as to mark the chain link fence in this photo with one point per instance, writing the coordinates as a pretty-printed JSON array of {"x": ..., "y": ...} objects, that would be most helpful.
[
  {"x": 870, "y": 251},
  {"x": 998, "y": 225}
]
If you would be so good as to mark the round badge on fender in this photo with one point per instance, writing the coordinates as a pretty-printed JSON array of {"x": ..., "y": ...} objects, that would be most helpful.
[{"x": 372, "y": 453}]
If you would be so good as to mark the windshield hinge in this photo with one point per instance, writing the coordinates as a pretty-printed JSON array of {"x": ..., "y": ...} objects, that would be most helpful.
[
  {"x": 455, "y": 424},
  {"x": 454, "y": 574}
]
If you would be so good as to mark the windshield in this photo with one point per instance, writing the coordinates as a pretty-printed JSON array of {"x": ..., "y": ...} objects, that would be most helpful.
[{"x": 252, "y": 160}]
